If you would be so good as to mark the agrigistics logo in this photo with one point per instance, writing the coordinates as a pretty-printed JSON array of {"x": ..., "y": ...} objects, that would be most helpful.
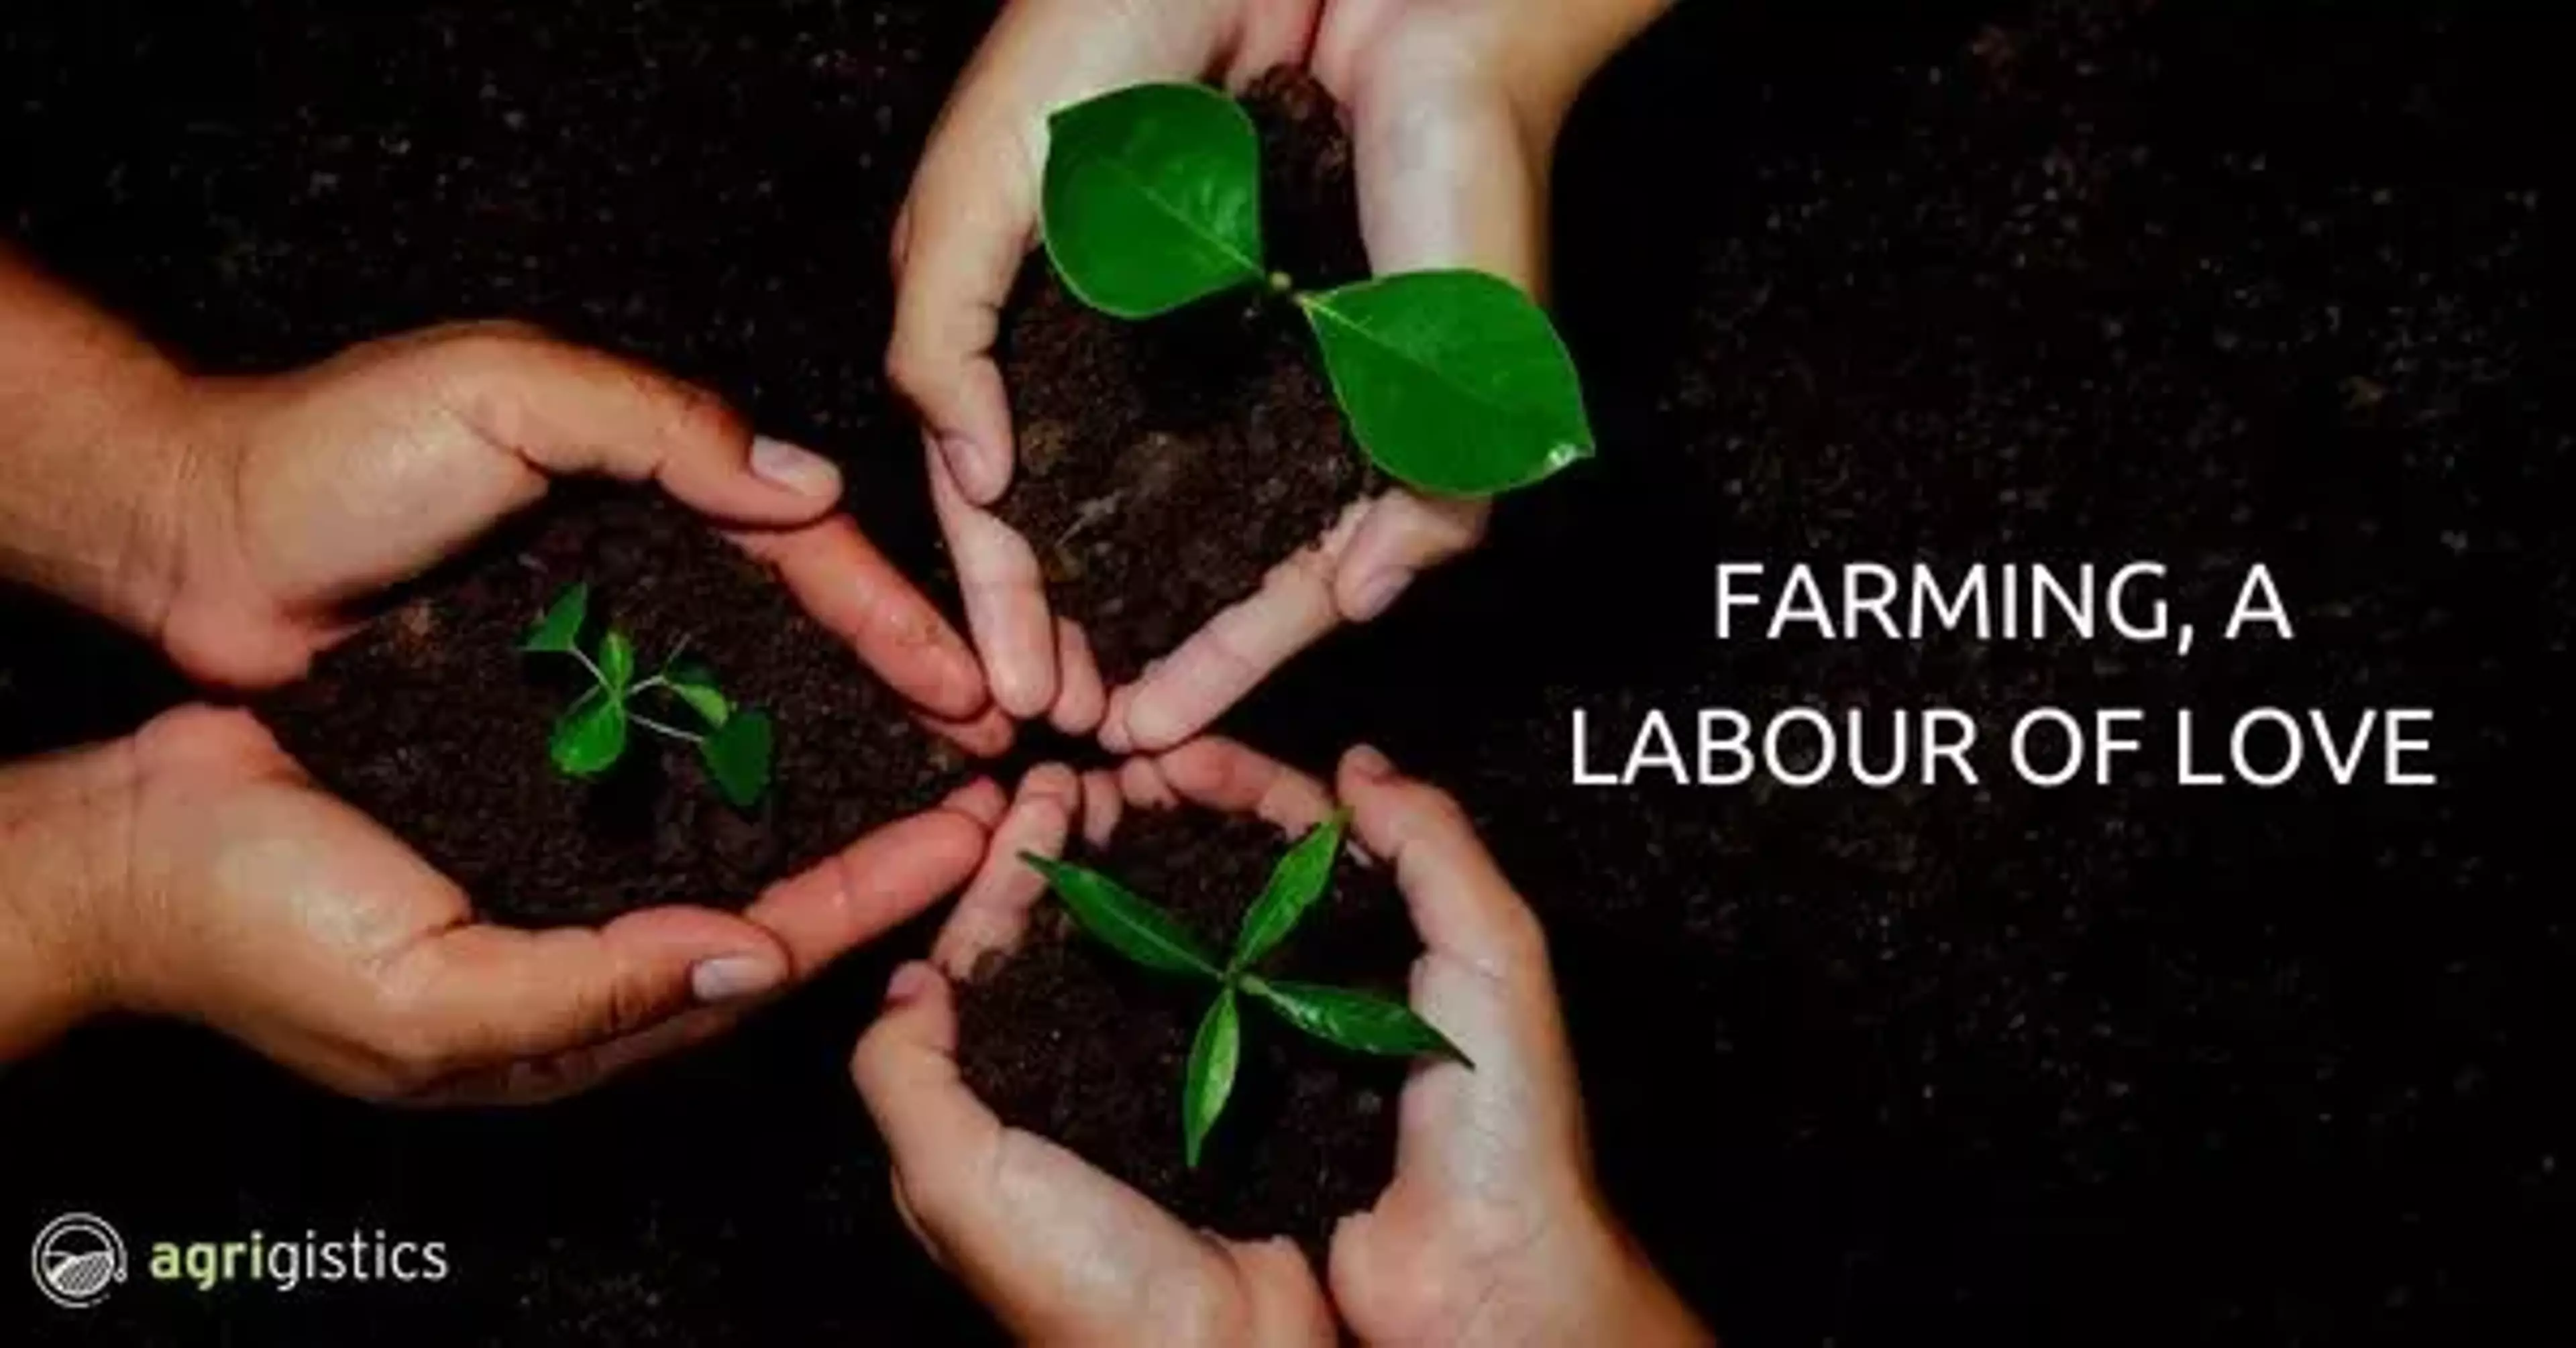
[{"x": 79, "y": 1260}]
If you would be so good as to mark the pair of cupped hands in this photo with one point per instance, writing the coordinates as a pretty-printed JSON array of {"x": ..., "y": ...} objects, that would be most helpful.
[{"x": 215, "y": 881}]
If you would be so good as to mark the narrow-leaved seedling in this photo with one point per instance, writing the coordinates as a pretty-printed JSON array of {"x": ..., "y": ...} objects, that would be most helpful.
[
  {"x": 1153, "y": 938},
  {"x": 1454, "y": 381},
  {"x": 591, "y": 735}
]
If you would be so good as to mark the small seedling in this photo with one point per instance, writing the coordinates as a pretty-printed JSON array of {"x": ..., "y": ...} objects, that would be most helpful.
[
  {"x": 1153, "y": 938},
  {"x": 591, "y": 735},
  {"x": 1454, "y": 381}
]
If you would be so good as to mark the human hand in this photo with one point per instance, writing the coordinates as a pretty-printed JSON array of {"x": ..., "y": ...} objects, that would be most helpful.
[
  {"x": 969, "y": 220},
  {"x": 1058, "y": 1250},
  {"x": 1494, "y": 1231},
  {"x": 1454, "y": 109},
  {"x": 296, "y": 494},
  {"x": 240, "y": 895}
]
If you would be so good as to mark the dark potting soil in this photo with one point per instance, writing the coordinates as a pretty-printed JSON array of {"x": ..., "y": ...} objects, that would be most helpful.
[
  {"x": 1067, "y": 1040},
  {"x": 1165, "y": 466},
  {"x": 434, "y": 722}
]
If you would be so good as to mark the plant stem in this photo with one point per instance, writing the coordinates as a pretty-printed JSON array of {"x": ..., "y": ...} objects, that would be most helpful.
[
  {"x": 1281, "y": 283},
  {"x": 658, "y": 728},
  {"x": 597, "y": 675}
]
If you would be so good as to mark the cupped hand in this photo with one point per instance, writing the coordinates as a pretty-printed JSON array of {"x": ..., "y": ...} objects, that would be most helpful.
[
  {"x": 299, "y": 494},
  {"x": 254, "y": 902},
  {"x": 1452, "y": 131},
  {"x": 970, "y": 219},
  {"x": 1494, "y": 1231},
  {"x": 1058, "y": 1250}
]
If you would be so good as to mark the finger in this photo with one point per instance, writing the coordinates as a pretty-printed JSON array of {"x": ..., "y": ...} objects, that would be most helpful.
[
  {"x": 1225, "y": 776},
  {"x": 196, "y": 736},
  {"x": 1230, "y": 656},
  {"x": 1287, "y": 1304},
  {"x": 1005, "y": 593},
  {"x": 987, "y": 734},
  {"x": 1402, "y": 536},
  {"x": 850, "y": 587},
  {"x": 1114, "y": 736},
  {"x": 1272, "y": 35},
  {"x": 1101, "y": 804},
  {"x": 970, "y": 219},
  {"x": 1142, "y": 782},
  {"x": 981, "y": 800},
  {"x": 937, "y": 1133},
  {"x": 1451, "y": 175},
  {"x": 476, "y": 996},
  {"x": 994, "y": 911},
  {"x": 1080, "y": 698},
  {"x": 1460, "y": 901},
  {"x": 874, "y": 884},
  {"x": 565, "y": 409}
]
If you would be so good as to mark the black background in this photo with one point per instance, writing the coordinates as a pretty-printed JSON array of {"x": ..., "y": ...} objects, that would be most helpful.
[{"x": 2197, "y": 283}]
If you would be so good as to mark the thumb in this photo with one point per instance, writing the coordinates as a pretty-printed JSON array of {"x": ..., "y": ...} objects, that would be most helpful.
[
  {"x": 562, "y": 409},
  {"x": 1461, "y": 903},
  {"x": 959, "y": 246},
  {"x": 1368, "y": 1265},
  {"x": 1400, "y": 537},
  {"x": 1449, "y": 177},
  {"x": 477, "y": 996},
  {"x": 906, "y": 1070}
]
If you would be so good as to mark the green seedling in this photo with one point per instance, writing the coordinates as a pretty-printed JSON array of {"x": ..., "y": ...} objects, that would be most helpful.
[
  {"x": 1151, "y": 937},
  {"x": 592, "y": 734},
  {"x": 1454, "y": 382}
]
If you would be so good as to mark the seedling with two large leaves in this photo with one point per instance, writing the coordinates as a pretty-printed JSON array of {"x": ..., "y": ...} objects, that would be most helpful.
[
  {"x": 1153, "y": 938},
  {"x": 1454, "y": 382}
]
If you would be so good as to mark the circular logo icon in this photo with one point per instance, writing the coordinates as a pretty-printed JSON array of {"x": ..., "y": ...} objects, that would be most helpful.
[{"x": 78, "y": 1260}]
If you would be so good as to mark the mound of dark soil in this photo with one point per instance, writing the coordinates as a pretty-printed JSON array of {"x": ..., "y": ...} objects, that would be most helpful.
[
  {"x": 433, "y": 722},
  {"x": 1165, "y": 466},
  {"x": 1068, "y": 1040}
]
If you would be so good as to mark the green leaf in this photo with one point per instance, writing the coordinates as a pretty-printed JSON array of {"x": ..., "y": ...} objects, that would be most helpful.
[
  {"x": 1455, "y": 381},
  {"x": 1153, "y": 198},
  {"x": 590, "y": 737},
  {"x": 617, "y": 662},
  {"x": 1355, "y": 1020},
  {"x": 737, "y": 755},
  {"x": 559, "y": 632},
  {"x": 1214, "y": 1055},
  {"x": 695, "y": 684},
  {"x": 1295, "y": 884},
  {"x": 1125, "y": 923}
]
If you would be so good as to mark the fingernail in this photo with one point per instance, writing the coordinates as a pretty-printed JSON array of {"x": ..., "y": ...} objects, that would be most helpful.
[
  {"x": 1377, "y": 594},
  {"x": 910, "y": 982},
  {"x": 732, "y": 978},
  {"x": 798, "y": 469},
  {"x": 1368, "y": 762},
  {"x": 968, "y": 462}
]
